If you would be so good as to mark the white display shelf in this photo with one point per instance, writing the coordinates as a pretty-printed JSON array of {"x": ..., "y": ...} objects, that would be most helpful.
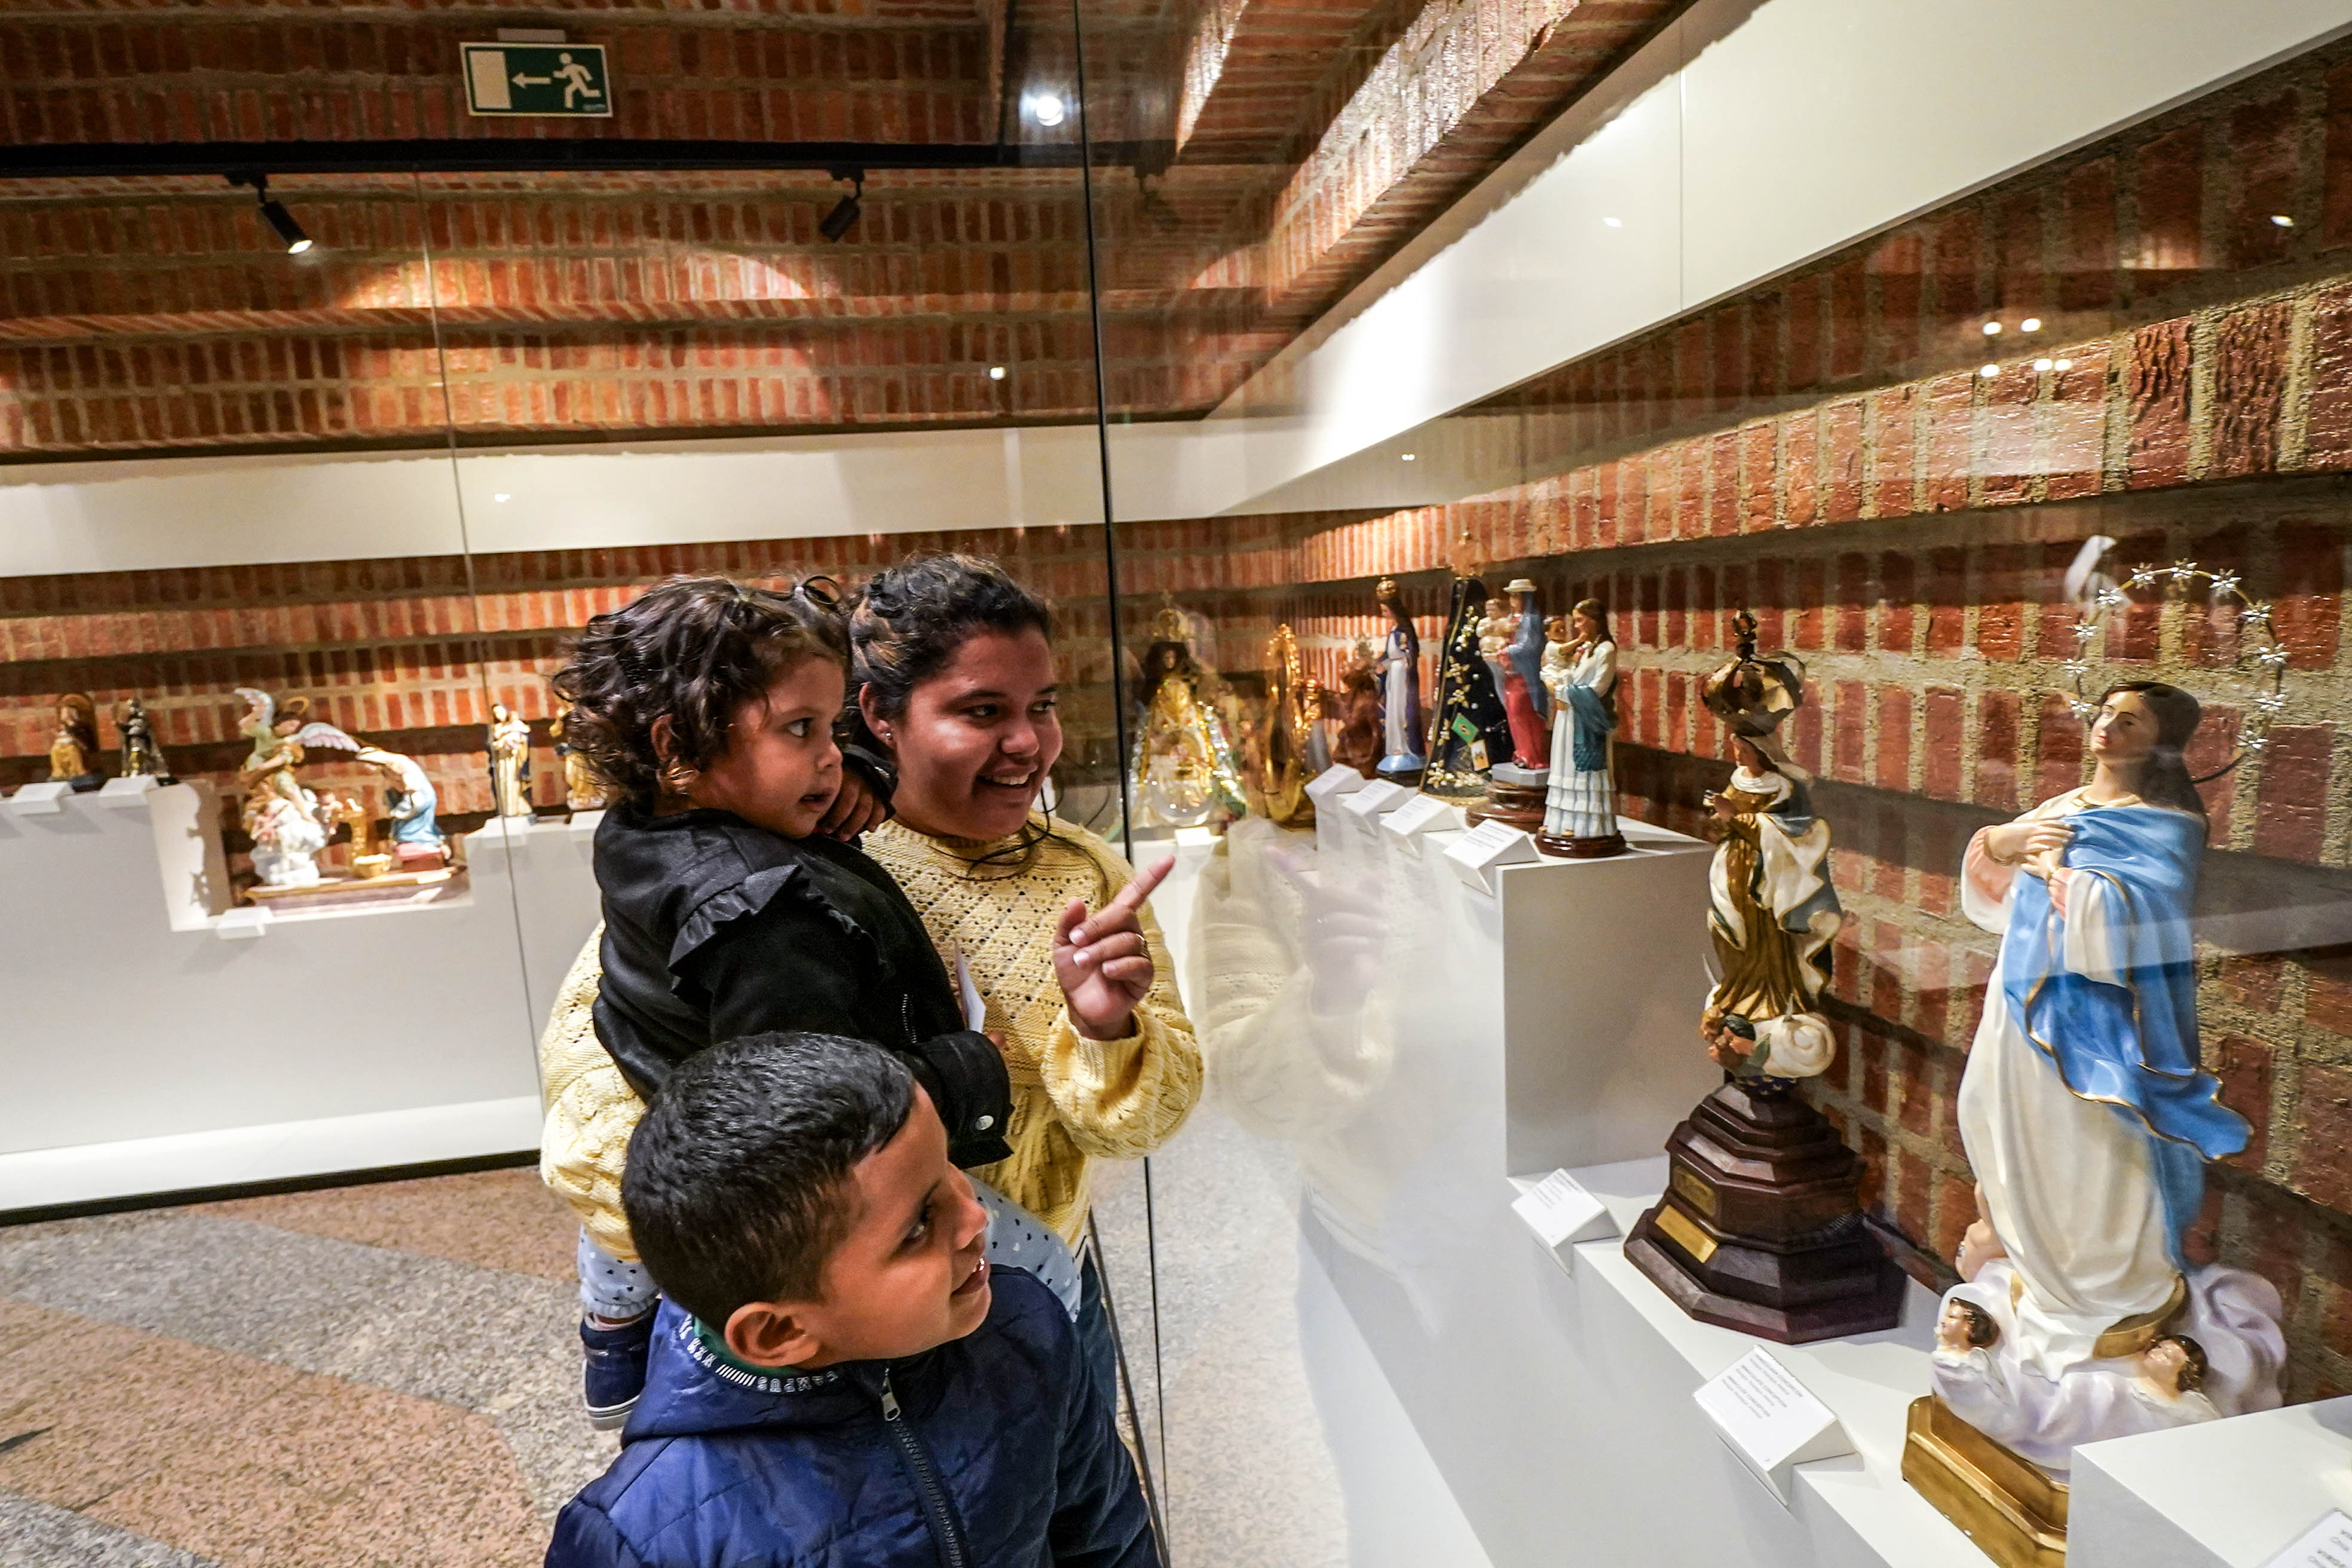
[
  {"x": 145, "y": 1053},
  {"x": 2221, "y": 1494}
]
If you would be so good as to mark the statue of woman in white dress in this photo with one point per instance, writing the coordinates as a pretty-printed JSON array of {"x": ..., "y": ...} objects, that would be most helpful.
[
  {"x": 1399, "y": 691},
  {"x": 2086, "y": 1116},
  {"x": 510, "y": 762},
  {"x": 1580, "y": 803}
]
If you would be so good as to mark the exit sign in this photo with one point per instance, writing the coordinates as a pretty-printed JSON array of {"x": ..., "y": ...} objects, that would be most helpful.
[{"x": 538, "y": 78}]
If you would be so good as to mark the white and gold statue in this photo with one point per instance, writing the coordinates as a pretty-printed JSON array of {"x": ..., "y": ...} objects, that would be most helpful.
[{"x": 510, "y": 762}]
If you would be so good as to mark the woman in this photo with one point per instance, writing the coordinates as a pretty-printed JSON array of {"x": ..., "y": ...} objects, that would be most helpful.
[
  {"x": 2084, "y": 1112},
  {"x": 955, "y": 680},
  {"x": 1581, "y": 804},
  {"x": 1399, "y": 667}
]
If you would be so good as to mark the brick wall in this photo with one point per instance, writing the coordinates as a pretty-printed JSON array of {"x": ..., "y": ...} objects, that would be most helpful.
[
  {"x": 405, "y": 653},
  {"x": 1828, "y": 452}
]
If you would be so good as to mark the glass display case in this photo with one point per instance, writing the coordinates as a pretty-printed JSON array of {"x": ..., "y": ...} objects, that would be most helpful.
[{"x": 1592, "y": 553}]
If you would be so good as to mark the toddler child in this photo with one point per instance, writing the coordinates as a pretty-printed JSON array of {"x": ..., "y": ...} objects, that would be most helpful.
[
  {"x": 838, "y": 1377},
  {"x": 707, "y": 706}
]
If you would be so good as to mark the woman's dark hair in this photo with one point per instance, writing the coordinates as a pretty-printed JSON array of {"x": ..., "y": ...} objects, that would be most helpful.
[
  {"x": 912, "y": 618},
  {"x": 693, "y": 648},
  {"x": 1599, "y": 613},
  {"x": 2163, "y": 776},
  {"x": 734, "y": 1187},
  {"x": 909, "y": 621}
]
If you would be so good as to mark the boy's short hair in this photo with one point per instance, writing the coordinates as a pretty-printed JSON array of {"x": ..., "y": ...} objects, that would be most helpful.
[{"x": 734, "y": 1183}]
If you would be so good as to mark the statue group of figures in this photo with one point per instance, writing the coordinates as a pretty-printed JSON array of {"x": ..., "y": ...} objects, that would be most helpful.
[{"x": 74, "y": 754}]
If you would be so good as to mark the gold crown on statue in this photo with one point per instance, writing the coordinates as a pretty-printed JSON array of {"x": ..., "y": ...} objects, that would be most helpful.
[
  {"x": 1168, "y": 626},
  {"x": 1752, "y": 696}
]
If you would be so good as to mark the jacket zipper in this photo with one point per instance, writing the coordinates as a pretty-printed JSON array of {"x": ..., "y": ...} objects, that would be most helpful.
[{"x": 944, "y": 1532}]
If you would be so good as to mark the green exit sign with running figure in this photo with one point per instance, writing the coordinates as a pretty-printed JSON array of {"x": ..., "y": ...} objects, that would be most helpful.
[{"x": 538, "y": 78}]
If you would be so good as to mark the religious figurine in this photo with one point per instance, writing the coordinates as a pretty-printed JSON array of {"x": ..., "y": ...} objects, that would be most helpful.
[
  {"x": 2089, "y": 1122},
  {"x": 1184, "y": 770},
  {"x": 1280, "y": 764},
  {"x": 409, "y": 801},
  {"x": 510, "y": 762},
  {"x": 583, "y": 790},
  {"x": 289, "y": 825},
  {"x": 1760, "y": 1228},
  {"x": 1470, "y": 732},
  {"x": 1511, "y": 644},
  {"x": 1400, "y": 670},
  {"x": 141, "y": 757},
  {"x": 1581, "y": 798},
  {"x": 1357, "y": 743},
  {"x": 73, "y": 756}
]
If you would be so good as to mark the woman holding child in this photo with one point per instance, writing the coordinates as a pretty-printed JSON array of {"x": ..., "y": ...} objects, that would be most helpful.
[{"x": 953, "y": 677}]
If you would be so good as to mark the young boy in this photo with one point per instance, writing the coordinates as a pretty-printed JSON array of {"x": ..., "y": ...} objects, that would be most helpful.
[{"x": 837, "y": 1381}]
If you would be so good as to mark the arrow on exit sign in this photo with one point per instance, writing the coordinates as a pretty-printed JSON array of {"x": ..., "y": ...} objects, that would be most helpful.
[{"x": 560, "y": 79}]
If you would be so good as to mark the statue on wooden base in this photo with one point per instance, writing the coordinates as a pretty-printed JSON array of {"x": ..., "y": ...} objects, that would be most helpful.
[
  {"x": 1760, "y": 1228},
  {"x": 2089, "y": 1120}
]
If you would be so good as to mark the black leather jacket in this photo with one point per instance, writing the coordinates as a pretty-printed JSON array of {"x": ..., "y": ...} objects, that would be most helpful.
[{"x": 716, "y": 929}]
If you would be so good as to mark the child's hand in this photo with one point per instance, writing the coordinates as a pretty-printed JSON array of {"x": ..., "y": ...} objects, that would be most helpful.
[
  {"x": 854, "y": 810},
  {"x": 1103, "y": 962}
]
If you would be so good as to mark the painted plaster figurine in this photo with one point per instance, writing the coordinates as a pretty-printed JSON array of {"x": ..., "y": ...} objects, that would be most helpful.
[
  {"x": 410, "y": 801},
  {"x": 583, "y": 790},
  {"x": 510, "y": 762},
  {"x": 73, "y": 754},
  {"x": 1771, "y": 912},
  {"x": 1186, "y": 770},
  {"x": 2087, "y": 1116},
  {"x": 1400, "y": 670},
  {"x": 1358, "y": 715},
  {"x": 1581, "y": 800},
  {"x": 1470, "y": 732},
  {"x": 1519, "y": 675},
  {"x": 141, "y": 757},
  {"x": 289, "y": 825}
]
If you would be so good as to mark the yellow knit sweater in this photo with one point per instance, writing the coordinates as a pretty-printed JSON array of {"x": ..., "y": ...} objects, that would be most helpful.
[{"x": 1074, "y": 1100}]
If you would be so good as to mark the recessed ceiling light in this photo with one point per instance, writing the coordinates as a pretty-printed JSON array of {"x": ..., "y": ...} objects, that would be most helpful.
[
  {"x": 996, "y": 373},
  {"x": 1614, "y": 223},
  {"x": 1408, "y": 457},
  {"x": 502, "y": 496},
  {"x": 2064, "y": 365},
  {"x": 1048, "y": 109},
  {"x": 2044, "y": 365},
  {"x": 1989, "y": 370},
  {"x": 1992, "y": 329},
  {"x": 2283, "y": 220},
  {"x": 2030, "y": 325}
]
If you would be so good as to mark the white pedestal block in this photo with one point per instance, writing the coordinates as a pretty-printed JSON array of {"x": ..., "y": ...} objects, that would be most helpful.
[
  {"x": 1411, "y": 826},
  {"x": 126, "y": 791},
  {"x": 161, "y": 1056},
  {"x": 2221, "y": 1494}
]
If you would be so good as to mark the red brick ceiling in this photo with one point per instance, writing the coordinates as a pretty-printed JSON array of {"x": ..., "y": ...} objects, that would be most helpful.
[{"x": 1302, "y": 140}]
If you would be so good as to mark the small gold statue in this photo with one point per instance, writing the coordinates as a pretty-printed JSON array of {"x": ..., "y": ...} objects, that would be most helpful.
[{"x": 73, "y": 756}]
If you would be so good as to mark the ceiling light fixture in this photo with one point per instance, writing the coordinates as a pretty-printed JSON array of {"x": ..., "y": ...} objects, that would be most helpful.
[
  {"x": 2030, "y": 325},
  {"x": 1989, "y": 372},
  {"x": 1992, "y": 329},
  {"x": 1613, "y": 222},
  {"x": 2283, "y": 220},
  {"x": 838, "y": 222},
  {"x": 2064, "y": 365},
  {"x": 502, "y": 496},
  {"x": 273, "y": 213},
  {"x": 996, "y": 373},
  {"x": 1048, "y": 109},
  {"x": 1408, "y": 457},
  {"x": 2045, "y": 365}
]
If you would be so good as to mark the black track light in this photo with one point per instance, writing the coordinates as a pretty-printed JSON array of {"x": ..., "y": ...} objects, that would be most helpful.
[
  {"x": 838, "y": 222},
  {"x": 274, "y": 213}
]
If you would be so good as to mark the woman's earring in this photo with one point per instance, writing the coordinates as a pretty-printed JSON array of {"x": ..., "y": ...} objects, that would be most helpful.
[{"x": 677, "y": 778}]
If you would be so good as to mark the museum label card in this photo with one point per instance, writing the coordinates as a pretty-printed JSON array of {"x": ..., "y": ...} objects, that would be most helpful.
[
  {"x": 1479, "y": 853},
  {"x": 131, "y": 791},
  {"x": 1770, "y": 1420},
  {"x": 1378, "y": 796},
  {"x": 1338, "y": 778},
  {"x": 2328, "y": 1544},
  {"x": 1559, "y": 1210},
  {"x": 40, "y": 799},
  {"x": 1422, "y": 813}
]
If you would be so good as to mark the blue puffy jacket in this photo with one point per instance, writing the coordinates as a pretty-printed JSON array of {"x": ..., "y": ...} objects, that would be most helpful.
[{"x": 991, "y": 1451}]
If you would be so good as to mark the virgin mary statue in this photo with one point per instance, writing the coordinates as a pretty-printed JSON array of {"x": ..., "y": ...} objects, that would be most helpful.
[{"x": 2086, "y": 1117}]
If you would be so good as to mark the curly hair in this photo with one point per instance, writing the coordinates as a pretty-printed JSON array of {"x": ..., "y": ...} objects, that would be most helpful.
[{"x": 694, "y": 649}]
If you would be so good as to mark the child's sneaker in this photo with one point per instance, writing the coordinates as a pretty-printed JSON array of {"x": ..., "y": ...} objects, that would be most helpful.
[{"x": 615, "y": 1372}]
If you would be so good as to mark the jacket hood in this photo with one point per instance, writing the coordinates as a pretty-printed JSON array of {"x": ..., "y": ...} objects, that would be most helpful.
[{"x": 693, "y": 1390}]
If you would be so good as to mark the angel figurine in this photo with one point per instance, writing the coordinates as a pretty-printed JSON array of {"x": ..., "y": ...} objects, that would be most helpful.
[
  {"x": 73, "y": 756},
  {"x": 510, "y": 762},
  {"x": 289, "y": 825},
  {"x": 2087, "y": 1115}
]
